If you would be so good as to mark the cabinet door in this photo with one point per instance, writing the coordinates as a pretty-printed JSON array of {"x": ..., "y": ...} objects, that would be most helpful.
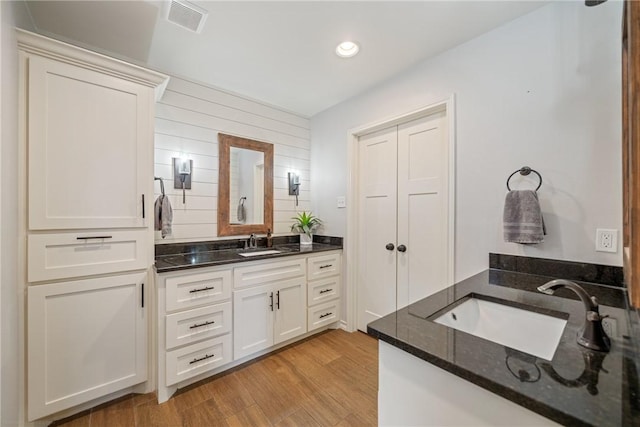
[
  {"x": 252, "y": 320},
  {"x": 86, "y": 338},
  {"x": 88, "y": 148},
  {"x": 290, "y": 309}
]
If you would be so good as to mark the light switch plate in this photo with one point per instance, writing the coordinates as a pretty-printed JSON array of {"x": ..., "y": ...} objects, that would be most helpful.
[{"x": 342, "y": 202}]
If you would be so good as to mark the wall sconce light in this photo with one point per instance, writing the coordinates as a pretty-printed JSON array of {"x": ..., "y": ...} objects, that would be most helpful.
[
  {"x": 182, "y": 168},
  {"x": 294, "y": 185}
]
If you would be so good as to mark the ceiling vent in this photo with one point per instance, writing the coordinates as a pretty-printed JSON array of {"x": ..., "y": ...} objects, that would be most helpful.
[{"x": 187, "y": 15}]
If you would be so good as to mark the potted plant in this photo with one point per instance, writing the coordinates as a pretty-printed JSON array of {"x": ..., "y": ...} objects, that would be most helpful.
[{"x": 305, "y": 224}]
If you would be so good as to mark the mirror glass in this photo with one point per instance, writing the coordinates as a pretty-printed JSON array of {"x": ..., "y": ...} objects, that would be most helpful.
[
  {"x": 245, "y": 186},
  {"x": 246, "y": 193}
]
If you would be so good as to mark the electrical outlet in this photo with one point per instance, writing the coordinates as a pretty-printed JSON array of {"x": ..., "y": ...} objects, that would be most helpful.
[
  {"x": 342, "y": 202},
  {"x": 606, "y": 240}
]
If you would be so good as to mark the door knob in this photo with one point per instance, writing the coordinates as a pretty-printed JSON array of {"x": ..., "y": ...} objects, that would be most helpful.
[
  {"x": 389, "y": 246},
  {"x": 402, "y": 248}
]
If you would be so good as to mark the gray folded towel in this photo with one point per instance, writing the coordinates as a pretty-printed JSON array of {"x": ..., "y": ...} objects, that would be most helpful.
[
  {"x": 522, "y": 218},
  {"x": 163, "y": 215}
]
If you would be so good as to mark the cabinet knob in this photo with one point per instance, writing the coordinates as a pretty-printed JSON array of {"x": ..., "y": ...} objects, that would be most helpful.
[
  {"x": 402, "y": 248},
  {"x": 389, "y": 247}
]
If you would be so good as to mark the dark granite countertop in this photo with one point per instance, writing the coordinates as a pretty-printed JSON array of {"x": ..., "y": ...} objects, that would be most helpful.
[
  {"x": 577, "y": 387},
  {"x": 173, "y": 257}
]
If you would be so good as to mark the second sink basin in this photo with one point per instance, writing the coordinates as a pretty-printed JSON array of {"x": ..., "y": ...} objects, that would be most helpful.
[
  {"x": 258, "y": 253},
  {"x": 524, "y": 330}
]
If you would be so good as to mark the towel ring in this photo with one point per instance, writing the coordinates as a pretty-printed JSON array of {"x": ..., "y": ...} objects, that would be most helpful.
[
  {"x": 524, "y": 171},
  {"x": 155, "y": 178}
]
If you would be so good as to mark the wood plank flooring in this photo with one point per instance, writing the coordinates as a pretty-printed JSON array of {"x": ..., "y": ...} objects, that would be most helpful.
[{"x": 328, "y": 380}]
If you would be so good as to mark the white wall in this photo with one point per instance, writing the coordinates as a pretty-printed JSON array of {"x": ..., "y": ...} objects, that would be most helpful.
[
  {"x": 11, "y": 14},
  {"x": 543, "y": 91},
  {"x": 188, "y": 119}
]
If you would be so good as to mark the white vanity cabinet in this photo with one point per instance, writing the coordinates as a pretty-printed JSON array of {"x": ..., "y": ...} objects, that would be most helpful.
[
  {"x": 211, "y": 319},
  {"x": 269, "y": 300},
  {"x": 86, "y": 164},
  {"x": 194, "y": 325}
]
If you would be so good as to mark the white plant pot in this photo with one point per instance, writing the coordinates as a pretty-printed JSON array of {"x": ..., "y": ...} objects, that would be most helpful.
[{"x": 306, "y": 239}]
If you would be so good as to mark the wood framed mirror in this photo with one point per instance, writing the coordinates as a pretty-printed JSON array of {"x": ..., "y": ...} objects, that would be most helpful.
[
  {"x": 245, "y": 186},
  {"x": 631, "y": 148}
]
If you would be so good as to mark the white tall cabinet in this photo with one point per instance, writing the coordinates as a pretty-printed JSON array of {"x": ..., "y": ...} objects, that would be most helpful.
[{"x": 87, "y": 157}]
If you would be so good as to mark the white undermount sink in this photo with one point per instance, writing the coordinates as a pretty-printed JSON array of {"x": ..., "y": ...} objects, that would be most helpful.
[
  {"x": 524, "y": 330},
  {"x": 258, "y": 253}
]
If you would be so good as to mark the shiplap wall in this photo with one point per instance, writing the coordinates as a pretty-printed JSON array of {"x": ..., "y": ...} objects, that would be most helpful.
[{"x": 188, "y": 119}]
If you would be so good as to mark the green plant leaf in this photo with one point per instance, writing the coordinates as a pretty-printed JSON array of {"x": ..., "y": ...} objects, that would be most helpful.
[{"x": 305, "y": 223}]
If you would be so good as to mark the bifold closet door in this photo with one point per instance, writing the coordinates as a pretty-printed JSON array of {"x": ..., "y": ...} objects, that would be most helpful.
[
  {"x": 403, "y": 195},
  {"x": 377, "y": 225}
]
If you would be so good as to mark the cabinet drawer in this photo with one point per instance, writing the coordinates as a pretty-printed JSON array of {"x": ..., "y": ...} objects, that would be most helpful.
[
  {"x": 323, "y": 314},
  {"x": 193, "y": 290},
  {"x": 323, "y": 290},
  {"x": 65, "y": 255},
  {"x": 195, "y": 325},
  {"x": 324, "y": 266},
  {"x": 268, "y": 272},
  {"x": 198, "y": 358}
]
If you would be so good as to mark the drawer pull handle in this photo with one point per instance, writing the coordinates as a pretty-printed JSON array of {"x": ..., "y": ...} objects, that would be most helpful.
[
  {"x": 326, "y": 266},
  {"x": 206, "y": 288},
  {"x": 94, "y": 237},
  {"x": 206, "y": 356},
  {"x": 322, "y": 316},
  {"x": 324, "y": 291},
  {"x": 198, "y": 325}
]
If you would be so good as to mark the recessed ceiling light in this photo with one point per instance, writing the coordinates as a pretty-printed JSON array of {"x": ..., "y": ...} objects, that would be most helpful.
[{"x": 347, "y": 49}]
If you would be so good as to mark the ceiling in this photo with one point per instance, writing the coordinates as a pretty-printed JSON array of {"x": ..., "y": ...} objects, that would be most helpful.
[{"x": 280, "y": 53}]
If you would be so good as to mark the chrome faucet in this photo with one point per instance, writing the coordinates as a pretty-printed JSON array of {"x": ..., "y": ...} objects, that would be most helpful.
[
  {"x": 253, "y": 242},
  {"x": 592, "y": 335}
]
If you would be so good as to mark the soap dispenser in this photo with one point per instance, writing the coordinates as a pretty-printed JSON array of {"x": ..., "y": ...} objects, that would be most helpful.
[{"x": 269, "y": 239}]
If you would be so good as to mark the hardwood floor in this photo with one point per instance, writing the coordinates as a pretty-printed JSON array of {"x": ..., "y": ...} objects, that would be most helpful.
[{"x": 328, "y": 380}]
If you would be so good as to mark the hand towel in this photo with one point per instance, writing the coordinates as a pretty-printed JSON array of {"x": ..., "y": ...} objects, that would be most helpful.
[
  {"x": 522, "y": 218},
  {"x": 242, "y": 213},
  {"x": 163, "y": 215}
]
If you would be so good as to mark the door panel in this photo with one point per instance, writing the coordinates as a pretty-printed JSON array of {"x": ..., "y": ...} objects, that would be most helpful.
[
  {"x": 85, "y": 126},
  {"x": 290, "y": 309},
  {"x": 377, "y": 225},
  {"x": 422, "y": 207},
  {"x": 252, "y": 320},
  {"x": 86, "y": 338}
]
